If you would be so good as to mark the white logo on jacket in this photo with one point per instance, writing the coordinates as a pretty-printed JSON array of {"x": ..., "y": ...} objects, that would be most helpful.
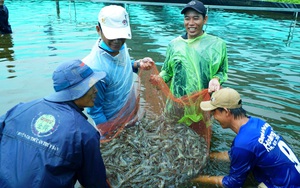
[{"x": 272, "y": 138}]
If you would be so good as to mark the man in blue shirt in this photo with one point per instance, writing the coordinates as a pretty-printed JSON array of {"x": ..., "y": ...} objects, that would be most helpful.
[
  {"x": 256, "y": 147},
  {"x": 116, "y": 97},
  {"x": 4, "y": 24},
  {"x": 49, "y": 142}
]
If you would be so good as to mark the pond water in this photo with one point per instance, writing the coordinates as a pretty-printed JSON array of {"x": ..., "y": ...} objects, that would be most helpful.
[{"x": 263, "y": 52}]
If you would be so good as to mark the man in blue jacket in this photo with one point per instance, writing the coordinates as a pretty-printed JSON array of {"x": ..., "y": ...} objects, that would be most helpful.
[
  {"x": 49, "y": 142},
  {"x": 4, "y": 24},
  {"x": 256, "y": 147}
]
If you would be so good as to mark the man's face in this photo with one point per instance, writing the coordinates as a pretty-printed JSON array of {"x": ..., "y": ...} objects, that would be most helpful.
[
  {"x": 114, "y": 44},
  {"x": 193, "y": 23},
  {"x": 221, "y": 116},
  {"x": 87, "y": 100},
  {"x": 1, "y": 2}
]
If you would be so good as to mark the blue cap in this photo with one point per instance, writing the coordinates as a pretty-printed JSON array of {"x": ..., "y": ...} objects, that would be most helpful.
[
  {"x": 196, "y": 5},
  {"x": 73, "y": 79}
]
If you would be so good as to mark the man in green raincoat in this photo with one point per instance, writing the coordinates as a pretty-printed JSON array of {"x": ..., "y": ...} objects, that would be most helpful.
[{"x": 194, "y": 61}]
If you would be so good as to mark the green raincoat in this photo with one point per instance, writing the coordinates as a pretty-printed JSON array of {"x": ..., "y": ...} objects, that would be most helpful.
[{"x": 189, "y": 66}]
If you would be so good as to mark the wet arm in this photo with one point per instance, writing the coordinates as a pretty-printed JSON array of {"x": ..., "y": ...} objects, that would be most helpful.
[
  {"x": 222, "y": 156},
  {"x": 213, "y": 180}
]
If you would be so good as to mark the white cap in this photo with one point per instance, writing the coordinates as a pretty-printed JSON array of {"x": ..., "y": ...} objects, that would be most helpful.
[{"x": 114, "y": 22}]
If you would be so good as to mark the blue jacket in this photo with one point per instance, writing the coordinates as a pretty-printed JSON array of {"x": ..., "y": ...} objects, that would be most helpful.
[
  {"x": 46, "y": 144},
  {"x": 259, "y": 149},
  {"x": 4, "y": 24}
]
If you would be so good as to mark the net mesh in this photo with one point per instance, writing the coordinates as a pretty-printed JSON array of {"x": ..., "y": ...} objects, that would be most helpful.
[
  {"x": 156, "y": 100},
  {"x": 150, "y": 146}
]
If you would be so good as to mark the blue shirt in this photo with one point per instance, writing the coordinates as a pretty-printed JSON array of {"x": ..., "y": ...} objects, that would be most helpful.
[
  {"x": 117, "y": 89},
  {"x": 259, "y": 149},
  {"x": 47, "y": 144}
]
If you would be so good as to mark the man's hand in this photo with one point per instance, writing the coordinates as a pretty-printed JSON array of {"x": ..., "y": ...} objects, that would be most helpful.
[
  {"x": 214, "y": 85},
  {"x": 146, "y": 63},
  {"x": 155, "y": 79}
]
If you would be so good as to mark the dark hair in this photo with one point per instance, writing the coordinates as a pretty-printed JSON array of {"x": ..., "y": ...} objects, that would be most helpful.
[
  {"x": 203, "y": 15},
  {"x": 236, "y": 112}
]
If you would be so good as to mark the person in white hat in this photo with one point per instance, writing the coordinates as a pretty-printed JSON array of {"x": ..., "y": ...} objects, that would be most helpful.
[
  {"x": 257, "y": 148},
  {"x": 110, "y": 54},
  {"x": 48, "y": 142}
]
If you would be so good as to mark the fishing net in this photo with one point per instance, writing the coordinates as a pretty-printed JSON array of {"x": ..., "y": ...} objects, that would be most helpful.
[
  {"x": 154, "y": 153},
  {"x": 150, "y": 147},
  {"x": 158, "y": 100}
]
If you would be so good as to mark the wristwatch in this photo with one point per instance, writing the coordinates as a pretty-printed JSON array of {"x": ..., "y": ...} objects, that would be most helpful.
[{"x": 138, "y": 63}]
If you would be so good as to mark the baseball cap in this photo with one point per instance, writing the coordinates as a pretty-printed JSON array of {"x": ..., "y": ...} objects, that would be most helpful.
[
  {"x": 223, "y": 98},
  {"x": 196, "y": 5},
  {"x": 71, "y": 80},
  {"x": 114, "y": 22}
]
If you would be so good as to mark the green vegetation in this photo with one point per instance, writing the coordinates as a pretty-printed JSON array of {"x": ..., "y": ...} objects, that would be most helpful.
[{"x": 286, "y": 1}]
